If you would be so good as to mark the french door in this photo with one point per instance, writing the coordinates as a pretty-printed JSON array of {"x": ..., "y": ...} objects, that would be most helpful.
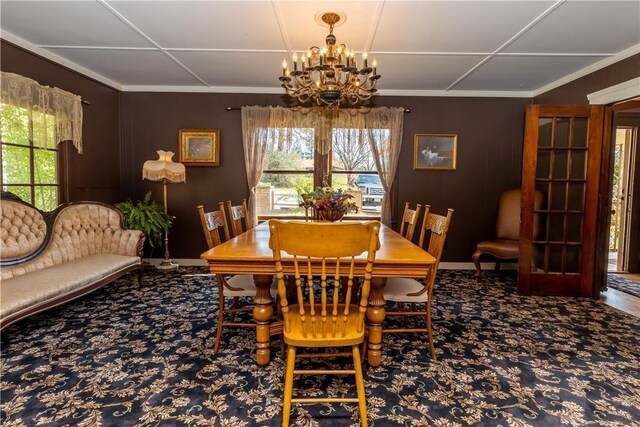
[{"x": 562, "y": 155}]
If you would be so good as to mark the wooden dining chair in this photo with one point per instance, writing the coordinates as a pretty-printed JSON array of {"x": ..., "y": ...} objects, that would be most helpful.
[
  {"x": 236, "y": 217},
  {"x": 235, "y": 287},
  {"x": 409, "y": 291},
  {"x": 409, "y": 221},
  {"x": 322, "y": 316}
]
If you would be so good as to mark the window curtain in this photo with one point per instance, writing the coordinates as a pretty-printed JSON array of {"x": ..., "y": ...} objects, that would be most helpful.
[
  {"x": 255, "y": 128},
  {"x": 382, "y": 125},
  {"x": 385, "y": 147},
  {"x": 47, "y": 107}
]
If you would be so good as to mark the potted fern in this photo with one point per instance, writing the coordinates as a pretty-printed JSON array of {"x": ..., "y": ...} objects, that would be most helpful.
[{"x": 149, "y": 217}]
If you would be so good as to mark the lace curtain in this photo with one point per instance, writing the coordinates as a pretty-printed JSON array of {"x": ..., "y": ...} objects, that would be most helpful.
[
  {"x": 385, "y": 147},
  {"x": 255, "y": 134},
  {"x": 47, "y": 108},
  {"x": 382, "y": 125}
]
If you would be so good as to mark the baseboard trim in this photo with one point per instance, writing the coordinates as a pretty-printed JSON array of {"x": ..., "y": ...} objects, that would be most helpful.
[
  {"x": 194, "y": 262},
  {"x": 185, "y": 262}
]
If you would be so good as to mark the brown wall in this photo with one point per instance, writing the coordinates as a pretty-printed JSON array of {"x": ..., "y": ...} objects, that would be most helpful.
[
  {"x": 95, "y": 174},
  {"x": 489, "y": 158}
]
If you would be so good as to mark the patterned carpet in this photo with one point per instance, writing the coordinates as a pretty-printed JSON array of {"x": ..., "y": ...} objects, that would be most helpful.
[
  {"x": 622, "y": 283},
  {"x": 129, "y": 355}
]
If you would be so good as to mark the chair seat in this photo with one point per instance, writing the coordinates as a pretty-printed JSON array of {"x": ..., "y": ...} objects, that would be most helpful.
[
  {"x": 500, "y": 248},
  {"x": 398, "y": 288},
  {"x": 295, "y": 336},
  {"x": 247, "y": 286}
]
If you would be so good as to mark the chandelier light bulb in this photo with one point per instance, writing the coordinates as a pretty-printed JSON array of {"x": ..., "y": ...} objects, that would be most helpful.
[{"x": 329, "y": 75}]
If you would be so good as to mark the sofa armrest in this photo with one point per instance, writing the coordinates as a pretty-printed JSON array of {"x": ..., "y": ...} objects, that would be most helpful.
[{"x": 129, "y": 242}]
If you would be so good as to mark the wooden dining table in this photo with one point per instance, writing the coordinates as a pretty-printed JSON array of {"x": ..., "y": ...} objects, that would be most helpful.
[{"x": 249, "y": 253}]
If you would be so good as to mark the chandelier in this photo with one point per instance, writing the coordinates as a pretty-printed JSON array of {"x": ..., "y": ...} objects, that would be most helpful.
[{"x": 330, "y": 75}]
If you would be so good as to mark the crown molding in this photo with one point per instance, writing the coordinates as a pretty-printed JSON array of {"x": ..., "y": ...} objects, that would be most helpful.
[
  {"x": 279, "y": 91},
  {"x": 633, "y": 50},
  {"x": 619, "y": 92},
  {"x": 456, "y": 93},
  {"x": 204, "y": 89}
]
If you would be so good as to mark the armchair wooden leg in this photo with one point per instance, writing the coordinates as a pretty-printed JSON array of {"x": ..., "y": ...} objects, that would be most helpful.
[
  {"x": 288, "y": 385},
  {"x": 140, "y": 276},
  {"x": 476, "y": 261},
  {"x": 362, "y": 403}
]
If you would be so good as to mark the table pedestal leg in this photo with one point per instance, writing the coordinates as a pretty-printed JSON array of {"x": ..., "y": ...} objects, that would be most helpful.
[
  {"x": 375, "y": 317},
  {"x": 262, "y": 313}
]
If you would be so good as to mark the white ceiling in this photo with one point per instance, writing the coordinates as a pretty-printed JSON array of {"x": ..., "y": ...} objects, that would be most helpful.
[{"x": 475, "y": 48}]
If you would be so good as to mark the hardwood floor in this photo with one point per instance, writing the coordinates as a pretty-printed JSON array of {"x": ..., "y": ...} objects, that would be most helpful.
[{"x": 622, "y": 301}]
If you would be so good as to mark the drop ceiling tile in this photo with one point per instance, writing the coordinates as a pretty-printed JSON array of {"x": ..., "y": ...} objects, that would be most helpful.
[
  {"x": 522, "y": 73},
  {"x": 422, "y": 72},
  {"x": 453, "y": 26},
  {"x": 234, "y": 69},
  {"x": 584, "y": 27},
  {"x": 303, "y": 31},
  {"x": 131, "y": 67},
  {"x": 67, "y": 23},
  {"x": 205, "y": 24}
]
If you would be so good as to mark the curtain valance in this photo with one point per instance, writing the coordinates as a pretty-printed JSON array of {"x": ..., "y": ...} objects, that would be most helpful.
[
  {"x": 321, "y": 119},
  {"x": 46, "y": 106}
]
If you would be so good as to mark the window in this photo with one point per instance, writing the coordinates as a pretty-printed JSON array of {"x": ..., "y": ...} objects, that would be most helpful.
[
  {"x": 288, "y": 171},
  {"x": 353, "y": 168},
  {"x": 292, "y": 166},
  {"x": 29, "y": 171},
  {"x": 347, "y": 143}
]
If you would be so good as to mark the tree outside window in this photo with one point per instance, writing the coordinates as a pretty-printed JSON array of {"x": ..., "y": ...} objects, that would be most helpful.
[
  {"x": 292, "y": 166},
  {"x": 29, "y": 171}
]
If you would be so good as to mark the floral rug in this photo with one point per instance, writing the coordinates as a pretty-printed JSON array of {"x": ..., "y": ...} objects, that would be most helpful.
[
  {"x": 622, "y": 283},
  {"x": 131, "y": 355}
]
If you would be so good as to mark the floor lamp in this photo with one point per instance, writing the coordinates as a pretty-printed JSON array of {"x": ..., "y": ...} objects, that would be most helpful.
[{"x": 166, "y": 171}]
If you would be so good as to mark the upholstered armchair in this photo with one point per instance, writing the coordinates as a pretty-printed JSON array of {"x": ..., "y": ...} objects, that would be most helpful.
[{"x": 506, "y": 244}]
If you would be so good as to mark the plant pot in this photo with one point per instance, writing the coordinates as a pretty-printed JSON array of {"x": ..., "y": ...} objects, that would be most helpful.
[{"x": 330, "y": 215}]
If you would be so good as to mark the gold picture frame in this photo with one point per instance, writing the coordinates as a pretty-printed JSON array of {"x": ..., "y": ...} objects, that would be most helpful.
[
  {"x": 199, "y": 147},
  {"x": 435, "y": 151}
]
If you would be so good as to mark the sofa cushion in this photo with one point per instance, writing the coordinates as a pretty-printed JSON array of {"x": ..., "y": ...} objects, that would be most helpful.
[{"x": 28, "y": 291}]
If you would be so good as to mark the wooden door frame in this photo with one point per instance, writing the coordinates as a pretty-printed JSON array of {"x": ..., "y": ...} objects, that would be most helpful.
[{"x": 606, "y": 193}]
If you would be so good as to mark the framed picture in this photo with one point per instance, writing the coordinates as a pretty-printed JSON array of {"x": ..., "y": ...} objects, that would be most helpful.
[
  {"x": 434, "y": 151},
  {"x": 199, "y": 147}
]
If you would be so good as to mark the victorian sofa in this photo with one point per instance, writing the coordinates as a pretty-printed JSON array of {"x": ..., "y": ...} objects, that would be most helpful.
[{"x": 49, "y": 258}]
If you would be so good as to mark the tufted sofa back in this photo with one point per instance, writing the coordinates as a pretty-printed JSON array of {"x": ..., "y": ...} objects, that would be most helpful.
[
  {"x": 22, "y": 230},
  {"x": 77, "y": 230}
]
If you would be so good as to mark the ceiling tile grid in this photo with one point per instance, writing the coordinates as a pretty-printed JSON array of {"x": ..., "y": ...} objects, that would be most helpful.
[{"x": 490, "y": 47}]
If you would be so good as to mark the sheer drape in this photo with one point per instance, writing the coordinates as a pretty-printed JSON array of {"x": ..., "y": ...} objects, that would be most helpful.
[
  {"x": 255, "y": 129},
  {"x": 382, "y": 127},
  {"x": 47, "y": 108}
]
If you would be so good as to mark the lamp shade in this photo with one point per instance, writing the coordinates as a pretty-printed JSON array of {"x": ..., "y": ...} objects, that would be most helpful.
[{"x": 164, "y": 169}]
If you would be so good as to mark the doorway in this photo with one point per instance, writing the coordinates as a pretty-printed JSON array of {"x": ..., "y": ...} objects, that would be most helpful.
[{"x": 624, "y": 170}]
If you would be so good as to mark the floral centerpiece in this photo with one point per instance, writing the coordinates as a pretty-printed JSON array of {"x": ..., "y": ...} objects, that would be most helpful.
[{"x": 330, "y": 203}]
